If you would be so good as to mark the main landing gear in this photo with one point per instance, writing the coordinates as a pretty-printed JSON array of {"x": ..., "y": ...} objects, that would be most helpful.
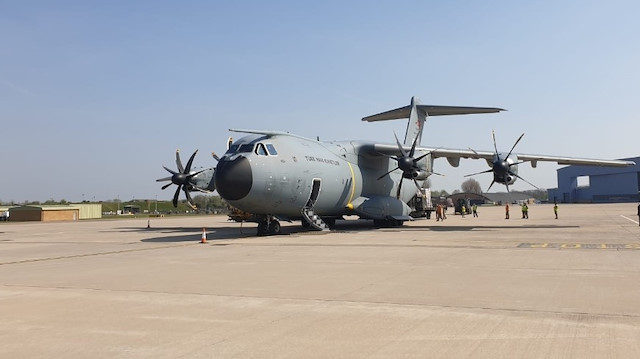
[{"x": 269, "y": 226}]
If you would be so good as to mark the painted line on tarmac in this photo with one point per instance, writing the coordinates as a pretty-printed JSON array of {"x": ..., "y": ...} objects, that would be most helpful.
[
  {"x": 616, "y": 246},
  {"x": 96, "y": 254},
  {"x": 632, "y": 220}
]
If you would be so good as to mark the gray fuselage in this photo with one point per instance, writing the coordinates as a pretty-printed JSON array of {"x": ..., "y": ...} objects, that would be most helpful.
[{"x": 275, "y": 175}]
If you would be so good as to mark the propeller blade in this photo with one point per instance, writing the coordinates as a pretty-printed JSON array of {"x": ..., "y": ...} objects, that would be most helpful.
[
  {"x": 517, "y": 163},
  {"x": 167, "y": 185},
  {"x": 421, "y": 157},
  {"x": 513, "y": 174},
  {"x": 417, "y": 185},
  {"x": 492, "y": 182},
  {"x": 175, "y": 196},
  {"x": 399, "y": 188},
  {"x": 473, "y": 174},
  {"x": 178, "y": 162},
  {"x": 474, "y": 151},
  {"x": 495, "y": 146},
  {"x": 413, "y": 147},
  {"x": 436, "y": 173},
  {"x": 163, "y": 179},
  {"x": 197, "y": 173},
  {"x": 189, "y": 199},
  {"x": 170, "y": 171},
  {"x": 404, "y": 153},
  {"x": 514, "y": 145},
  {"x": 188, "y": 168},
  {"x": 213, "y": 154},
  {"x": 379, "y": 178}
]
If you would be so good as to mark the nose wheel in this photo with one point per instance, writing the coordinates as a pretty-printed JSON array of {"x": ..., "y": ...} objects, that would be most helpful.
[{"x": 269, "y": 227}]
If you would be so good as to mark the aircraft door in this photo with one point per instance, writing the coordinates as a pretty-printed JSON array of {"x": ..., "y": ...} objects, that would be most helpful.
[{"x": 315, "y": 191}]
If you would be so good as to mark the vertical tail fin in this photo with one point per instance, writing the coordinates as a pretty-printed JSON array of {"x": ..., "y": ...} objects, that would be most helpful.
[{"x": 417, "y": 118}]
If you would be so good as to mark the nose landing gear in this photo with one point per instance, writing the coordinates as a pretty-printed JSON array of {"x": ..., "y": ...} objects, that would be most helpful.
[{"x": 269, "y": 226}]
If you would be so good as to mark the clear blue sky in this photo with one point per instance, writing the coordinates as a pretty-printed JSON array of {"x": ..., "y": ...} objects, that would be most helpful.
[{"x": 95, "y": 96}]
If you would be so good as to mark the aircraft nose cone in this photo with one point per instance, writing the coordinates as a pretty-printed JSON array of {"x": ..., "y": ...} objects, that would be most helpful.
[{"x": 234, "y": 178}]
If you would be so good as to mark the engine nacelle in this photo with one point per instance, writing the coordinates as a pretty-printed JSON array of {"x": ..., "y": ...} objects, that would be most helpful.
[
  {"x": 203, "y": 181},
  {"x": 419, "y": 175},
  {"x": 505, "y": 169}
]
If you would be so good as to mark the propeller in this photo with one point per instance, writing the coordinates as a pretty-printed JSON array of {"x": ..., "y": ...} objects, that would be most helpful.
[
  {"x": 183, "y": 178},
  {"x": 407, "y": 164},
  {"x": 501, "y": 167}
]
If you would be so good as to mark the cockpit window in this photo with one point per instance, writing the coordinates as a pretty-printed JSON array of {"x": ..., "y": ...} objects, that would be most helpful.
[
  {"x": 232, "y": 149},
  {"x": 260, "y": 150},
  {"x": 272, "y": 149},
  {"x": 248, "y": 147}
]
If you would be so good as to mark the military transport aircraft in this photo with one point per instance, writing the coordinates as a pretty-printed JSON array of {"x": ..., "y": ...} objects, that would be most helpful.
[{"x": 281, "y": 176}]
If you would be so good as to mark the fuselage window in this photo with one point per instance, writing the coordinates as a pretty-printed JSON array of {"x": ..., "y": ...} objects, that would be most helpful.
[
  {"x": 271, "y": 149},
  {"x": 260, "y": 150},
  {"x": 246, "y": 148}
]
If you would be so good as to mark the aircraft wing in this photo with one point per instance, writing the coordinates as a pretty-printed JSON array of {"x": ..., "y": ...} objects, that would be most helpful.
[
  {"x": 534, "y": 159},
  {"x": 454, "y": 155}
]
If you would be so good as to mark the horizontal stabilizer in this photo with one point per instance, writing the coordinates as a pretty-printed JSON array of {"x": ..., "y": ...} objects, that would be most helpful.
[{"x": 431, "y": 110}]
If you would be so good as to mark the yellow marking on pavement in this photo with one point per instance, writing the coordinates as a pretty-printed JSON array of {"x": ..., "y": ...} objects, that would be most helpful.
[{"x": 616, "y": 246}]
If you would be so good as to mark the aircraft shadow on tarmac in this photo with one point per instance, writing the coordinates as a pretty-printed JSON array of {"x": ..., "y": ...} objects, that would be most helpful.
[
  {"x": 190, "y": 234},
  {"x": 187, "y": 234},
  {"x": 239, "y": 232}
]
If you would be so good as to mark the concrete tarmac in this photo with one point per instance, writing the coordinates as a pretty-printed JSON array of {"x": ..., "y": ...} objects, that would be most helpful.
[{"x": 468, "y": 287}]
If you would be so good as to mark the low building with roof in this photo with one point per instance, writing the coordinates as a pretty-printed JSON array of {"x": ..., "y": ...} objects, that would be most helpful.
[{"x": 44, "y": 213}]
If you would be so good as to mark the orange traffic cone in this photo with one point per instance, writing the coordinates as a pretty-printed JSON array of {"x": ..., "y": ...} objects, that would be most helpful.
[{"x": 204, "y": 236}]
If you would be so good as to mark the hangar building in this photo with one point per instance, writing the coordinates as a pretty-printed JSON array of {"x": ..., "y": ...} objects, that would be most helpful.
[
  {"x": 605, "y": 184},
  {"x": 48, "y": 213}
]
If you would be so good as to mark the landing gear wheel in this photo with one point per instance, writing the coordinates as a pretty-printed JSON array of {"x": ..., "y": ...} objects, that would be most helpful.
[
  {"x": 263, "y": 229},
  {"x": 274, "y": 227},
  {"x": 330, "y": 222}
]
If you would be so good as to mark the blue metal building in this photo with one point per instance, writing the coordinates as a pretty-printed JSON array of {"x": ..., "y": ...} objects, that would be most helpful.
[{"x": 606, "y": 184}]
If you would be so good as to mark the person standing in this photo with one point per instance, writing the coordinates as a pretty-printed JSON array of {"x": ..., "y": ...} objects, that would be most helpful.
[
  {"x": 555, "y": 209},
  {"x": 463, "y": 210},
  {"x": 525, "y": 211},
  {"x": 474, "y": 208},
  {"x": 506, "y": 211}
]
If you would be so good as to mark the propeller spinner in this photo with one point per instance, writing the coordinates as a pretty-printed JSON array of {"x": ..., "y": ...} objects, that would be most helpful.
[
  {"x": 407, "y": 164},
  {"x": 183, "y": 178},
  {"x": 504, "y": 168}
]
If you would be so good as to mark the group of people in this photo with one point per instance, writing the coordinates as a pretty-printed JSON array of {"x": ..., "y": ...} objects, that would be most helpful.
[
  {"x": 441, "y": 211},
  {"x": 474, "y": 210},
  {"x": 525, "y": 210}
]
